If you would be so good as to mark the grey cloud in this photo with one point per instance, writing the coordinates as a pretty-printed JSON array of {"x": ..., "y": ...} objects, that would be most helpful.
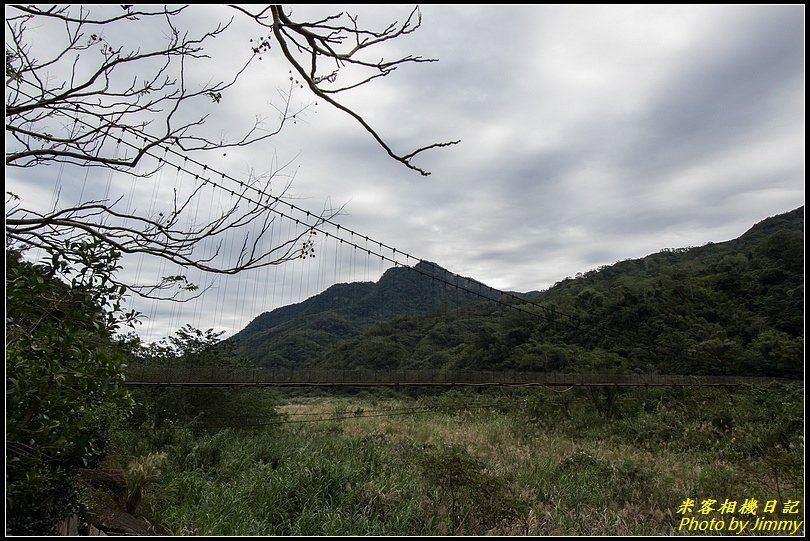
[
  {"x": 728, "y": 84},
  {"x": 551, "y": 178}
]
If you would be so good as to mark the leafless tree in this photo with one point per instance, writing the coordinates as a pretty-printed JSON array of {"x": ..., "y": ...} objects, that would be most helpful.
[
  {"x": 320, "y": 50},
  {"x": 98, "y": 101}
]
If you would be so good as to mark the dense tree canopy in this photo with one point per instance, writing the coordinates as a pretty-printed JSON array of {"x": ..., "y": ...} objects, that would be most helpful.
[
  {"x": 64, "y": 382},
  {"x": 729, "y": 308}
]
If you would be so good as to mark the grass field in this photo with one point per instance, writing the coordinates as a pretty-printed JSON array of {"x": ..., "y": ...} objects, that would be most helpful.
[{"x": 534, "y": 462}]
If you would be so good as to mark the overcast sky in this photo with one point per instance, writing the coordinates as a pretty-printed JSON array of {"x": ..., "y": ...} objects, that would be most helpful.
[{"x": 588, "y": 135}]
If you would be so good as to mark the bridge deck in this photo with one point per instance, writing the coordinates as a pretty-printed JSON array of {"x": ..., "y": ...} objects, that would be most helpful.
[{"x": 221, "y": 377}]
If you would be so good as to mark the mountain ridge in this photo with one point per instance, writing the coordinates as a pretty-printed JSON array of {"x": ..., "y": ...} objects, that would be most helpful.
[
  {"x": 736, "y": 301},
  {"x": 346, "y": 309}
]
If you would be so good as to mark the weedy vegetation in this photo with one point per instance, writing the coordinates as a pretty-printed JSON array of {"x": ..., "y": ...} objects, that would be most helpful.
[{"x": 521, "y": 462}]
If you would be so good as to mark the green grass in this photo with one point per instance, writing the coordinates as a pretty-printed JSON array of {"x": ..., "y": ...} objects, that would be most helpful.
[{"x": 534, "y": 462}]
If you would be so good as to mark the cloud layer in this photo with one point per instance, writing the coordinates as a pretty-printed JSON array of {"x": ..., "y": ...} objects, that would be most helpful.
[{"x": 589, "y": 135}]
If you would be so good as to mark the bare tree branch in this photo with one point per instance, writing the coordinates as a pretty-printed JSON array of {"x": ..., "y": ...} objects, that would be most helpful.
[
  {"x": 97, "y": 101},
  {"x": 318, "y": 43}
]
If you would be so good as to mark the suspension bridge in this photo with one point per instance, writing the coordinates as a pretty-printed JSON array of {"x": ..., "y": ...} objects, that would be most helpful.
[
  {"x": 260, "y": 377},
  {"x": 285, "y": 254}
]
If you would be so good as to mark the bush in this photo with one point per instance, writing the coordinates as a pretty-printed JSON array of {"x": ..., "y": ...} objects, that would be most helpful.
[
  {"x": 64, "y": 383},
  {"x": 465, "y": 492}
]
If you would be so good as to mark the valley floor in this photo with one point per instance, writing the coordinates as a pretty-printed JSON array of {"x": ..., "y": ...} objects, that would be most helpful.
[{"x": 533, "y": 462}]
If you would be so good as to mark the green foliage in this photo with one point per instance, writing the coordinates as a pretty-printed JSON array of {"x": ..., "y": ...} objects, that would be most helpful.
[
  {"x": 301, "y": 334},
  {"x": 189, "y": 347},
  {"x": 271, "y": 483},
  {"x": 590, "y": 476},
  {"x": 521, "y": 462},
  {"x": 465, "y": 492},
  {"x": 192, "y": 350},
  {"x": 64, "y": 383},
  {"x": 733, "y": 308},
  {"x": 778, "y": 353}
]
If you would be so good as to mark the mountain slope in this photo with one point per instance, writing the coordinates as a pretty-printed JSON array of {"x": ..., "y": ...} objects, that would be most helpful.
[
  {"x": 735, "y": 307},
  {"x": 296, "y": 335}
]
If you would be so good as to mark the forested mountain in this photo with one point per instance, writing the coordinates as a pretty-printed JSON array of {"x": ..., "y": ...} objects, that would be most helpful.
[
  {"x": 735, "y": 307},
  {"x": 296, "y": 335}
]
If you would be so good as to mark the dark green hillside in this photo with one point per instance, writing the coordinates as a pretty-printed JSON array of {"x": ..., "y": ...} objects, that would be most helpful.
[
  {"x": 729, "y": 308},
  {"x": 735, "y": 307},
  {"x": 296, "y": 335}
]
